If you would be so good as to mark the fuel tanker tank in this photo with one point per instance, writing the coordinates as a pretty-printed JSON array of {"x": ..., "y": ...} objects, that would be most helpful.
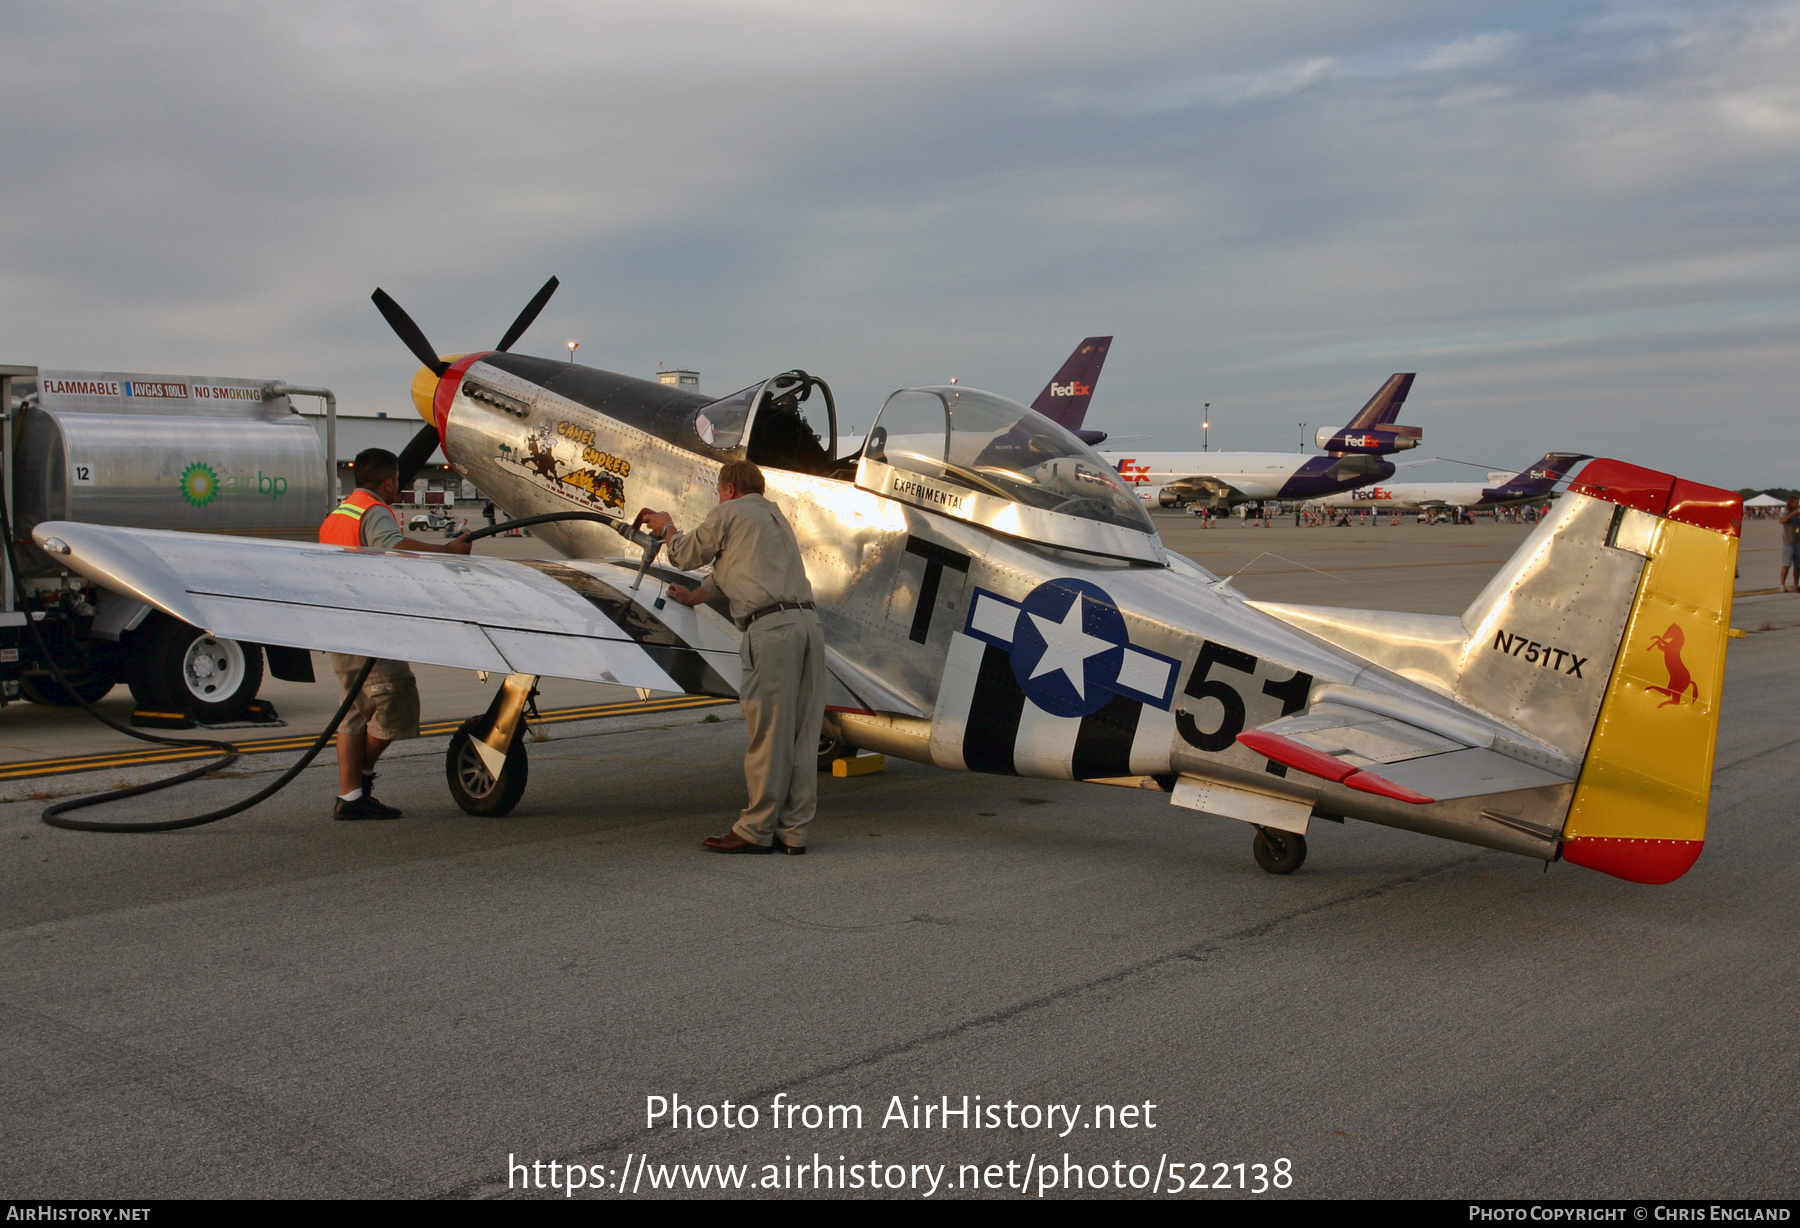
[
  {"x": 195, "y": 453},
  {"x": 198, "y": 455}
]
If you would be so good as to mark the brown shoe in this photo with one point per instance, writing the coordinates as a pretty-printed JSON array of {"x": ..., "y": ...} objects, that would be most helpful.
[{"x": 731, "y": 842}]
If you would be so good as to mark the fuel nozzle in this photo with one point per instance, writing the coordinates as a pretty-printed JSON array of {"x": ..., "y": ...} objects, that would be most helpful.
[{"x": 652, "y": 546}]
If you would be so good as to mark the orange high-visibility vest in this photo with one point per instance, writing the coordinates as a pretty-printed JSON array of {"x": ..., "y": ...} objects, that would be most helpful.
[{"x": 343, "y": 527}]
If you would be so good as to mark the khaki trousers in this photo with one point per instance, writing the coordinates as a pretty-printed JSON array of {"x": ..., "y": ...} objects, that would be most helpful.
[{"x": 783, "y": 698}]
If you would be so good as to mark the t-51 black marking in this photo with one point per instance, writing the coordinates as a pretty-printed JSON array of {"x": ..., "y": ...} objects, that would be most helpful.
[
  {"x": 936, "y": 559},
  {"x": 1103, "y": 743},
  {"x": 994, "y": 713},
  {"x": 1292, "y": 693}
]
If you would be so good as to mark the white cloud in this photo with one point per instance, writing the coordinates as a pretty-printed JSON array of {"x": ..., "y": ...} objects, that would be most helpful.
[
  {"x": 1474, "y": 52},
  {"x": 1575, "y": 227}
]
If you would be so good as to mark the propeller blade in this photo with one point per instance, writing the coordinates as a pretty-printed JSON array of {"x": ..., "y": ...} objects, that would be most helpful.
[
  {"x": 417, "y": 452},
  {"x": 528, "y": 315},
  {"x": 408, "y": 332}
]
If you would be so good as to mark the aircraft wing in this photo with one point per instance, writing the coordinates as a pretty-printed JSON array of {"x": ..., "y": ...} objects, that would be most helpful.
[{"x": 574, "y": 619}]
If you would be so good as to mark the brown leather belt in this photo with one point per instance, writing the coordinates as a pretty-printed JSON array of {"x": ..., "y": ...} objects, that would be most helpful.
[{"x": 777, "y": 608}]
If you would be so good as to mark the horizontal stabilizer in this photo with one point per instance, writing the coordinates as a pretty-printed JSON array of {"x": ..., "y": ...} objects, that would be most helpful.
[{"x": 1593, "y": 658}]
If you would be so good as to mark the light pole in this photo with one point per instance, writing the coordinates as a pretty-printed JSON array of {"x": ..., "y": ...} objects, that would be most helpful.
[
  {"x": 573, "y": 346},
  {"x": 1206, "y": 427},
  {"x": 1303, "y": 436}
]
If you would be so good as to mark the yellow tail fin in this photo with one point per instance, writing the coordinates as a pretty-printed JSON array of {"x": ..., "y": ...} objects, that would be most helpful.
[{"x": 1640, "y": 806}]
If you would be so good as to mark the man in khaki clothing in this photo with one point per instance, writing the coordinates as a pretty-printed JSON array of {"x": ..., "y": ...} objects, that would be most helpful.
[{"x": 757, "y": 566}]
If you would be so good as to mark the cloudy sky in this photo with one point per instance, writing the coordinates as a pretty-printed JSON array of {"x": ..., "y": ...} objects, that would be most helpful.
[{"x": 1576, "y": 221}]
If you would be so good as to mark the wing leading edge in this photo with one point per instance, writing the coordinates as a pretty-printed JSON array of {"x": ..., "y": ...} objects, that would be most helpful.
[{"x": 565, "y": 620}]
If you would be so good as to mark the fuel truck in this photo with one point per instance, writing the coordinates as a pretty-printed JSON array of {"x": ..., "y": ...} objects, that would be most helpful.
[{"x": 195, "y": 453}]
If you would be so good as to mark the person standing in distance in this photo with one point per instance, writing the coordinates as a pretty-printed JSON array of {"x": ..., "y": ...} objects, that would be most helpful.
[
  {"x": 757, "y": 567},
  {"x": 387, "y": 709},
  {"x": 1790, "y": 544}
]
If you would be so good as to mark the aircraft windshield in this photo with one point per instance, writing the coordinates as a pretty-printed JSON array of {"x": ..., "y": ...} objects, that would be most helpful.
[
  {"x": 721, "y": 423},
  {"x": 987, "y": 443}
]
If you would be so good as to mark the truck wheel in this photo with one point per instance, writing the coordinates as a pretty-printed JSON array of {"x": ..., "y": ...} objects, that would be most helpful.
[
  {"x": 181, "y": 668},
  {"x": 474, "y": 789}
]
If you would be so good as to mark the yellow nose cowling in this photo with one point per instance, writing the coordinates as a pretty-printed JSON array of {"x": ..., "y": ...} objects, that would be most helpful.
[{"x": 424, "y": 390}]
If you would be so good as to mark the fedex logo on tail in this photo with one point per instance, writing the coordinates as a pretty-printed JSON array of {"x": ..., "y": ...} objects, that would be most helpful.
[{"x": 1074, "y": 388}]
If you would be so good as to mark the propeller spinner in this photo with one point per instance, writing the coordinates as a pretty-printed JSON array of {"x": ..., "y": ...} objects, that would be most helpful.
[{"x": 424, "y": 386}]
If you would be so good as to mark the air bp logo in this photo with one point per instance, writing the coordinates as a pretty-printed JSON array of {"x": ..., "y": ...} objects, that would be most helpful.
[
  {"x": 1069, "y": 647},
  {"x": 199, "y": 484}
]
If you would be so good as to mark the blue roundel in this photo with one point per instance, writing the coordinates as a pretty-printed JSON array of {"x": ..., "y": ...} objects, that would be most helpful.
[{"x": 1067, "y": 647}]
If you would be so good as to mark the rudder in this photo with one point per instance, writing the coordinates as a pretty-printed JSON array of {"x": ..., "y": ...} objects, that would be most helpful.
[{"x": 1640, "y": 806}]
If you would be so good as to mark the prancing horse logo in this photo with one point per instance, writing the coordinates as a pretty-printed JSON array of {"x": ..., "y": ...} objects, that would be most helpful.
[{"x": 1680, "y": 681}]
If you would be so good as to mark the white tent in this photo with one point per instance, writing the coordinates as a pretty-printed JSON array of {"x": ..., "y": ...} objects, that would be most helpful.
[{"x": 1765, "y": 501}]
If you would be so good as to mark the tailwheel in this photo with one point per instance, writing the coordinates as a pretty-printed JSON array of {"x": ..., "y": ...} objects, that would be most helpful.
[
  {"x": 473, "y": 786},
  {"x": 1279, "y": 852}
]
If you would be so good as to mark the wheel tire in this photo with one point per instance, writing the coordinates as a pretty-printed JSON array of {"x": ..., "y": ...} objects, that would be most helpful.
[
  {"x": 477, "y": 792},
  {"x": 831, "y": 748},
  {"x": 1279, "y": 852},
  {"x": 182, "y": 669}
]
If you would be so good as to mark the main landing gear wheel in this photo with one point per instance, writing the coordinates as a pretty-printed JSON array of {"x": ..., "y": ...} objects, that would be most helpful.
[
  {"x": 474, "y": 789},
  {"x": 1279, "y": 852}
]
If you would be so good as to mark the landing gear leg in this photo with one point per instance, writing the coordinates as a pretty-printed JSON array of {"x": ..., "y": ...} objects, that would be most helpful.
[
  {"x": 486, "y": 766},
  {"x": 1279, "y": 852}
]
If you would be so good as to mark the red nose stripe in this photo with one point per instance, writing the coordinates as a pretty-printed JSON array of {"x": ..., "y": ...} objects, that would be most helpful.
[
  {"x": 447, "y": 385},
  {"x": 1653, "y": 862},
  {"x": 1317, "y": 763}
]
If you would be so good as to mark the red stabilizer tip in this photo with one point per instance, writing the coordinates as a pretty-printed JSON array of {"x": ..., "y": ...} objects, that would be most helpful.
[
  {"x": 1296, "y": 755},
  {"x": 1618, "y": 482},
  {"x": 1722, "y": 511},
  {"x": 1381, "y": 786},
  {"x": 1652, "y": 862}
]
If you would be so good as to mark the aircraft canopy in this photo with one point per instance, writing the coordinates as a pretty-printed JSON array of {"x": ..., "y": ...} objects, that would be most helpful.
[{"x": 998, "y": 447}]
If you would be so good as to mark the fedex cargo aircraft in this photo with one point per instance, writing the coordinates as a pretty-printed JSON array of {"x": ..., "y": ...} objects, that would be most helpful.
[
  {"x": 1066, "y": 397},
  {"x": 1225, "y": 479},
  {"x": 1530, "y": 485}
]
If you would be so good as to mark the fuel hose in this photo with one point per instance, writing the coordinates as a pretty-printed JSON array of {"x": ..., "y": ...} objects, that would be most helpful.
[{"x": 227, "y": 753}]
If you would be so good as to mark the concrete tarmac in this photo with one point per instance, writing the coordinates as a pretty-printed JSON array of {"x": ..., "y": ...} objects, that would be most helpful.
[{"x": 281, "y": 1005}]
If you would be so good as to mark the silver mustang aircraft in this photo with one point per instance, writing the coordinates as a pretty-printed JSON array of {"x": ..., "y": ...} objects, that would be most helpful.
[{"x": 996, "y": 599}]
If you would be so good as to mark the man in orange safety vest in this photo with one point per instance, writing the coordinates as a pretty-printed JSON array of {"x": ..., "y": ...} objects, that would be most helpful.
[{"x": 388, "y": 707}]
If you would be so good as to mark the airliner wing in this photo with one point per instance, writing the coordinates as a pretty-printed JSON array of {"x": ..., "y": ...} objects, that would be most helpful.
[{"x": 574, "y": 619}]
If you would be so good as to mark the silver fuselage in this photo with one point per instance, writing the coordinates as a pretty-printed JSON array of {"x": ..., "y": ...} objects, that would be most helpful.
[{"x": 928, "y": 683}]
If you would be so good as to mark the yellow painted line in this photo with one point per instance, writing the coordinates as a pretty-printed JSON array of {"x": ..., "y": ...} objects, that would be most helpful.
[{"x": 271, "y": 746}]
